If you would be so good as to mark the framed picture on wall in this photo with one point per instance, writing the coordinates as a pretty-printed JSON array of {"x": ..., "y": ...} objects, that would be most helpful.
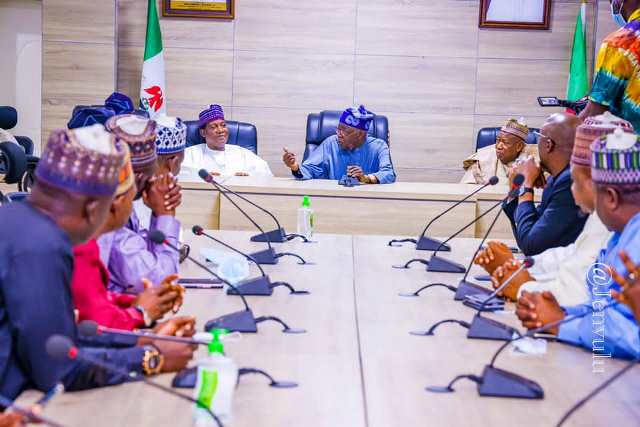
[
  {"x": 515, "y": 14},
  {"x": 211, "y": 9}
]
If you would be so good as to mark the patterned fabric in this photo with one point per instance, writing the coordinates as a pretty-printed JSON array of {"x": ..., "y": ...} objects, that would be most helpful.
[
  {"x": 89, "y": 165},
  {"x": 126, "y": 178},
  {"x": 119, "y": 103},
  {"x": 617, "y": 76},
  {"x": 214, "y": 112},
  {"x": 359, "y": 118},
  {"x": 615, "y": 159},
  {"x": 591, "y": 129},
  {"x": 517, "y": 128},
  {"x": 140, "y": 134},
  {"x": 172, "y": 135}
]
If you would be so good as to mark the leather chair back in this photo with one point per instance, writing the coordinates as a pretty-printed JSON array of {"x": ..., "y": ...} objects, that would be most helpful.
[
  {"x": 322, "y": 125},
  {"x": 242, "y": 134},
  {"x": 9, "y": 120}
]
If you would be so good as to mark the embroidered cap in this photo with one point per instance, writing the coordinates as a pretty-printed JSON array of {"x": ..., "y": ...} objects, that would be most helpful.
[
  {"x": 214, "y": 112},
  {"x": 615, "y": 159},
  {"x": 517, "y": 128},
  {"x": 359, "y": 118},
  {"x": 140, "y": 134},
  {"x": 591, "y": 129}
]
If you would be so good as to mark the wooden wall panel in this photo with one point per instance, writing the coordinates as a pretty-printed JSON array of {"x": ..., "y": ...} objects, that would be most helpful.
[{"x": 424, "y": 63}]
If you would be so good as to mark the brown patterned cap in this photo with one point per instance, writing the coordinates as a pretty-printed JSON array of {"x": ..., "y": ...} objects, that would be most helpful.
[
  {"x": 84, "y": 160},
  {"x": 517, "y": 128},
  {"x": 140, "y": 134},
  {"x": 594, "y": 128}
]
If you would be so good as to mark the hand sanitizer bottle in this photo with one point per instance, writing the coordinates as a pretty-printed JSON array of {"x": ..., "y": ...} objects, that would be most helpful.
[
  {"x": 305, "y": 218},
  {"x": 217, "y": 378}
]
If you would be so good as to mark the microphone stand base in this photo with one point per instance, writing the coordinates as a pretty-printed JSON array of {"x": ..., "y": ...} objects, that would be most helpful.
[
  {"x": 484, "y": 328},
  {"x": 240, "y": 321},
  {"x": 428, "y": 244},
  {"x": 267, "y": 256},
  {"x": 466, "y": 289},
  {"x": 259, "y": 286},
  {"x": 441, "y": 265},
  {"x": 499, "y": 383},
  {"x": 273, "y": 236}
]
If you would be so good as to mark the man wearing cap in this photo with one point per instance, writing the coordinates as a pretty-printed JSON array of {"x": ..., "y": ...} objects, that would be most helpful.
[
  {"x": 497, "y": 160},
  {"x": 611, "y": 331},
  {"x": 91, "y": 278},
  {"x": 558, "y": 220},
  {"x": 128, "y": 253},
  {"x": 350, "y": 152},
  {"x": 76, "y": 179},
  {"x": 215, "y": 155},
  {"x": 616, "y": 81},
  {"x": 562, "y": 270}
]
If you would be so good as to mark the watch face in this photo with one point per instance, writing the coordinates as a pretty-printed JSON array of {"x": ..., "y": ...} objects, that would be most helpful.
[{"x": 153, "y": 362}]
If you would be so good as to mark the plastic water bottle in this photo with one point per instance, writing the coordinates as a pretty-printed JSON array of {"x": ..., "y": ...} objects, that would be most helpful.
[
  {"x": 305, "y": 218},
  {"x": 233, "y": 267},
  {"x": 217, "y": 378}
]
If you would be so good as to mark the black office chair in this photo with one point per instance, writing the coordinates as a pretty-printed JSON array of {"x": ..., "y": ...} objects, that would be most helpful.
[
  {"x": 242, "y": 134},
  {"x": 488, "y": 136},
  {"x": 9, "y": 120},
  {"x": 322, "y": 125}
]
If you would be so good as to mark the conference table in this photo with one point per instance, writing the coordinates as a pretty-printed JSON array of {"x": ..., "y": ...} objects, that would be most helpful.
[
  {"x": 357, "y": 365},
  {"x": 401, "y": 208}
]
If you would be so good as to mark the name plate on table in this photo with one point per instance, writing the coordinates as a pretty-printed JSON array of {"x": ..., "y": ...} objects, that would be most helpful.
[{"x": 210, "y": 9}]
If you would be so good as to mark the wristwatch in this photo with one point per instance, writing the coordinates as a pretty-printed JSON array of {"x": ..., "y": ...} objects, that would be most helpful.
[
  {"x": 152, "y": 360},
  {"x": 525, "y": 190},
  {"x": 145, "y": 316}
]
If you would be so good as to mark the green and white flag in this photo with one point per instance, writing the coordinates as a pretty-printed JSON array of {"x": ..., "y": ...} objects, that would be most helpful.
[
  {"x": 578, "y": 85},
  {"x": 152, "y": 88}
]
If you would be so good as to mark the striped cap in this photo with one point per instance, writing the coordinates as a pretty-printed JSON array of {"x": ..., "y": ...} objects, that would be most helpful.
[
  {"x": 214, "y": 112},
  {"x": 172, "y": 135},
  {"x": 517, "y": 128},
  {"x": 615, "y": 159},
  {"x": 591, "y": 129}
]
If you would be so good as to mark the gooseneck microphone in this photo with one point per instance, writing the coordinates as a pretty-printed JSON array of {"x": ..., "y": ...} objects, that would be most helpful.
[
  {"x": 424, "y": 243},
  {"x": 595, "y": 391},
  {"x": 28, "y": 414},
  {"x": 482, "y": 327},
  {"x": 275, "y": 236},
  {"x": 240, "y": 321},
  {"x": 441, "y": 265},
  {"x": 61, "y": 348},
  {"x": 260, "y": 286},
  {"x": 497, "y": 382}
]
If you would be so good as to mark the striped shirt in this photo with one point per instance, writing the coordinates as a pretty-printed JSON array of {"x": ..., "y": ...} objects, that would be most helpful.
[{"x": 617, "y": 76}]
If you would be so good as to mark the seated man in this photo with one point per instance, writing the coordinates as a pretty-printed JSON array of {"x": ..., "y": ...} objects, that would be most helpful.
[
  {"x": 558, "y": 220},
  {"x": 216, "y": 156},
  {"x": 610, "y": 332},
  {"x": 171, "y": 142},
  {"x": 562, "y": 270},
  {"x": 497, "y": 160},
  {"x": 91, "y": 279},
  {"x": 351, "y": 151},
  {"x": 76, "y": 179},
  {"x": 128, "y": 253}
]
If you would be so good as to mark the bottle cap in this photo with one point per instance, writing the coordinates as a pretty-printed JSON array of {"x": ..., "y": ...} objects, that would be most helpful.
[{"x": 306, "y": 202}]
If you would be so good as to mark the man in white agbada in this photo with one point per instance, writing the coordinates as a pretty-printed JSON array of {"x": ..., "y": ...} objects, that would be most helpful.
[{"x": 216, "y": 156}]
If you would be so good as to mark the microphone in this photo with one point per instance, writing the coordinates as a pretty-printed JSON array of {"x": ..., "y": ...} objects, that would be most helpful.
[
  {"x": 61, "y": 348},
  {"x": 464, "y": 288},
  {"x": 483, "y": 327},
  {"x": 424, "y": 243},
  {"x": 260, "y": 286},
  {"x": 240, "y": 321},
  {"x": 497, "y": 382},
  {"x": 275, "y": 236},
  {"x": 441, "y": 265},
  {"x": 595, "y": 391},
  {"x": 29, "y": 414}
]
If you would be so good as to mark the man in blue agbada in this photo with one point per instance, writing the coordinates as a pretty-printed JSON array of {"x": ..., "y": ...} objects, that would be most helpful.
[
  {"x": 607, "y": 329},
  {"x": 351, "y": 152}
]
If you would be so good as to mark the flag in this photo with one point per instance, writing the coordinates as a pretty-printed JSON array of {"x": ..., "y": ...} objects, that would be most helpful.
[
  {"x": 578, "y": 84},
  {"x": 152, "y": 87}
]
